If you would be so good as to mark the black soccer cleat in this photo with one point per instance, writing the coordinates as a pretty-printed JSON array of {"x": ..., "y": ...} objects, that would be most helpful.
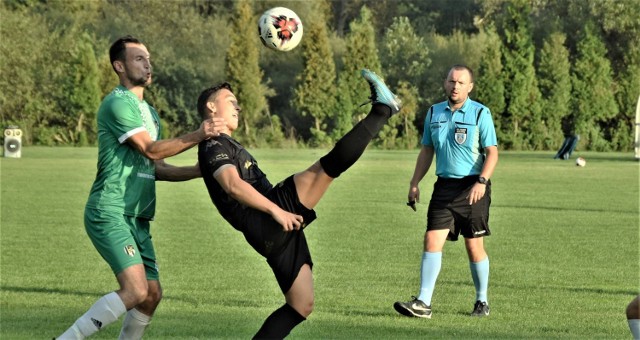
[
  {"x": 480, "y": 309},
  {"x": 414, "y": 308}
]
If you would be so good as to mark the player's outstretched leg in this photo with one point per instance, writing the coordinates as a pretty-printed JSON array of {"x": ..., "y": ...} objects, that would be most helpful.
[{"x": 351, "y": 146}]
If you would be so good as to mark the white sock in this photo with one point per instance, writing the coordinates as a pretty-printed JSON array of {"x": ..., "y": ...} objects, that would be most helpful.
[
  {"x": 634, "y": 326},
  {"x": 134, "y": 325},
  {"x": 105, "y": 311}
]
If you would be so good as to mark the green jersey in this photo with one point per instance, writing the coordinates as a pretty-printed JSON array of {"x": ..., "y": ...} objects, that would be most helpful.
[{"x": 125, "y": 182}]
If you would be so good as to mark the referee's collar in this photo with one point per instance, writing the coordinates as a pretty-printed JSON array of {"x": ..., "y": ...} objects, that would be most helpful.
[{"x": 462, "y": 108}]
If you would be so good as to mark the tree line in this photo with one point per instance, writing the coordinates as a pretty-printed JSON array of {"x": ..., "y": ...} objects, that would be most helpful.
[{"x": 545, "y": 68}]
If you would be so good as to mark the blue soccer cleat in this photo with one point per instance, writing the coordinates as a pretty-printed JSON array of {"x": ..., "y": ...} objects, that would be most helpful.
[{"x": 380, "y": 93}]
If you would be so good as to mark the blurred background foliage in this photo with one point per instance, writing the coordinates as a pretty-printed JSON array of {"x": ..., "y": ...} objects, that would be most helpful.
[{"x": 545, "y": 68}]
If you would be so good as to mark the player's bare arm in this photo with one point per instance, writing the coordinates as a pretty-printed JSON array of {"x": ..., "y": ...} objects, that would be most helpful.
[
  {"x": 164, "y": 148},
  {"x": 244, "y": 193},
  {"x": 172, "y": 173},
  {"x": 478, "y": 190}
]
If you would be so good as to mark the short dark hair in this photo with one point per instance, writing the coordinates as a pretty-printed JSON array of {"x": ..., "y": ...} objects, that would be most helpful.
[
  {"x": 206, "y": 94},
  {"x": 462, "y": 67},
  {"x": 119, "y": 47}
]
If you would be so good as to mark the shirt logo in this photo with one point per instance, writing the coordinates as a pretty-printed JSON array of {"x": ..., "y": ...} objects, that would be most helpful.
[{"x": 461, "y": 135}]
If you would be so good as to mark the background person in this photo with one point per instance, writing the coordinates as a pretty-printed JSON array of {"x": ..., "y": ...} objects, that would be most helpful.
[{"x": 633, "y": 317}]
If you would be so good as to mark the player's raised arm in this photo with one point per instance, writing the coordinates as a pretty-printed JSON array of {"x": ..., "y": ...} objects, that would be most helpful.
[{"x": 169, "y": 147}]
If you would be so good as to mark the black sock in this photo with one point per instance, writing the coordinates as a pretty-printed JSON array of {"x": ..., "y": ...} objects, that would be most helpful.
[
  {"x": 351, "y": 146},
  {"x": 280, "y": 323}
]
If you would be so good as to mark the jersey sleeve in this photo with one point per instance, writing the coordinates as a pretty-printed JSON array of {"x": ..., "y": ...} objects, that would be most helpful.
[
  {"x": 124, "y": 120},
  {"x": 217, "y": 154},
  {"x": 487, "y": 129}
]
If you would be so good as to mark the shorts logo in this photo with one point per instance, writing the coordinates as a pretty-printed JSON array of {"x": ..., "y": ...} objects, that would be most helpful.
[
  {"x": 247, "y": 164},
  {"x": 461, "y": 135},
  {"x": 481, "y": 232},
  {"x": 130, "y": 250}
]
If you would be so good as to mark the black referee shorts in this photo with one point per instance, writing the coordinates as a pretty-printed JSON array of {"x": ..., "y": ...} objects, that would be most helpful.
[
  {"x": 449, "y": 208},
  {"x": 286, "y": 252}
]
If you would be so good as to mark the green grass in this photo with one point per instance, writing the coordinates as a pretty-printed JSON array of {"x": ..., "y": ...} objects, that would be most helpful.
[{"x": 564, "y": 252}]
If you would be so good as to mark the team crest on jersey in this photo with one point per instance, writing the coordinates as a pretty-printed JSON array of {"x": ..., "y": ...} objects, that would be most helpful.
[
  {"x": 130, "y": 250},
  {"x": 461, "y": 135}
]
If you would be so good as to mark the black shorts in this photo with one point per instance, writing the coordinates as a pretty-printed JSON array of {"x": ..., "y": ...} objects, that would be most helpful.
[
  {"x": 449, "y": 208},
  {"x": 286, "y": 252}
]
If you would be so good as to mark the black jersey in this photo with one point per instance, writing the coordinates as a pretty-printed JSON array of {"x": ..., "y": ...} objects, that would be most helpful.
[{"x": 222, "y": 151}]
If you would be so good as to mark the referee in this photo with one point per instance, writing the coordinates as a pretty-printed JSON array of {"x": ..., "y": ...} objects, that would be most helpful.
[{"x": 461, "y": 134}]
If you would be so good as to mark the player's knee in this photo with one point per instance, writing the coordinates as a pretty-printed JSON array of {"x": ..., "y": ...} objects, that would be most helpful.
[
  {"x": 140, "y": 295},
  {"x": 137, "y": 293},
  {"x": 154, "y": 295},
  {"x": 306, "y": 308}
]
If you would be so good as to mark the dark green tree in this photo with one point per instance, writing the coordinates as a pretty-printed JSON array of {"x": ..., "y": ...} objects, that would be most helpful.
[
  {"x": 352, "y": 89},
  {"x": 82, "y": 93},
  {"x": 489, "y": 83},
  {"x": 400, "y": 131},
  {"x": 522, "y": 114},
  {"x": 593, "y": 102},
  {"x": 404, "y": 54},
  {"x": 627, "y": 97},
  {"x": 21, "y": 102},
  {"x": 244, "y": 73},
  {"x": 555, "y": 87},
  {"x": 406, "y": 59},
  {"x": 315, "y": 94}
]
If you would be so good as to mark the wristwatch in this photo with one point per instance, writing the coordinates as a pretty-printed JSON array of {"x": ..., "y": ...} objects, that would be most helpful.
[{"x": 482, "y": 180}]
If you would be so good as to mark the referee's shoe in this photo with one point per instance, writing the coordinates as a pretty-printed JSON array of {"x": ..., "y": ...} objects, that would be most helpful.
[
  {"x": 481, "y": 308},
  {"x": 380, "y": 93},
  {"x": 414, "y": 308}
]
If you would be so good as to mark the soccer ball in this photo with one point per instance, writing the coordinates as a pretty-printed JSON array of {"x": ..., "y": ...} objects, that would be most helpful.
[
  {"x": 581, "y": 161},
  {"x": 280, "y": 29}
]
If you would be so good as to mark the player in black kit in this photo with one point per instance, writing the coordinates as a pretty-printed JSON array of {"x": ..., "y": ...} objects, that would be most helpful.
[{"x": 272, "y": 218}]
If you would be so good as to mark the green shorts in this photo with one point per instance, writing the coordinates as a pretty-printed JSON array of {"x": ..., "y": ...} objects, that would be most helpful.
[{"x": 122, "y": 241}]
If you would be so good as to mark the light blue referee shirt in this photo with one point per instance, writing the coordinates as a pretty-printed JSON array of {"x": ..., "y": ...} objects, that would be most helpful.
[{"x": 459, "y": 137}]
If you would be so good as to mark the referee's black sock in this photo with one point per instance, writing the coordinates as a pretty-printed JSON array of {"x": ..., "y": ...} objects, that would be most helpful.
[
  {"x": 351, "y": 146},
  {"x": 280, "y": 323}
]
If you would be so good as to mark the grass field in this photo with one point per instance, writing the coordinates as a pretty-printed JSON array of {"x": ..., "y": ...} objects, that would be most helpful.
[{"x": 564, "y": 252}]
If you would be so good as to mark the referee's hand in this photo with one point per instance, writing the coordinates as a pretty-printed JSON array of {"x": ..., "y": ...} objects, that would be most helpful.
[{"x": 413, "y": 197}]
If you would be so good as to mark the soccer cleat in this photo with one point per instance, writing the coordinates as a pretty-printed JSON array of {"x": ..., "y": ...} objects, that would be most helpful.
[
  {"x": 380, "y": 93},
  {"x": 480, "y": 309},
  {"x": 414, "y": 308}
]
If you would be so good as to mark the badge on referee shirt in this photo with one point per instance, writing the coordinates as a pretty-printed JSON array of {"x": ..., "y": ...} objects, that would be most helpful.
[{"x": 461, "y": 135}]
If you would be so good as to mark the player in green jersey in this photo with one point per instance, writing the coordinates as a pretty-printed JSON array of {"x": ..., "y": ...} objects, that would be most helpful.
[{"x": 122, "y": 200}]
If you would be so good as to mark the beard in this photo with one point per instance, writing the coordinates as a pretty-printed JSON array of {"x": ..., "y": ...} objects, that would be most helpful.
[{"x": 140, "y": 81}]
